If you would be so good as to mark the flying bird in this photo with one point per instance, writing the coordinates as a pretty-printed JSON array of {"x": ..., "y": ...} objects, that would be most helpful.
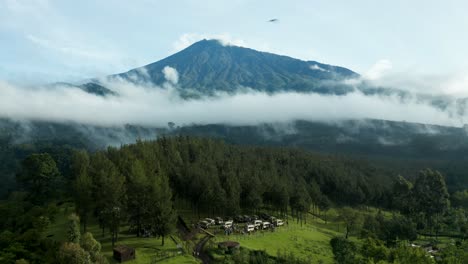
[{"x": 274, "y": 20}]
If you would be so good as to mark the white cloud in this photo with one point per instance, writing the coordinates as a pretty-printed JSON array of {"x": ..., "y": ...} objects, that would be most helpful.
[
  {"x": 171, "y": 75},
  {"x": 457, "y": 85},
  {"x": 188, "y": 39},
  {"x": 383, "y": 74},
  {"x": 152, "y": 106},
  {"x": 378, "y": 70},
  {"x": 315, "y": 67}
]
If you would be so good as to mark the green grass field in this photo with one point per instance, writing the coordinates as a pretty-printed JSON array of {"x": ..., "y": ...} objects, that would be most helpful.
[
  {"x": 309, "y": 241},
  {"x": 147, "y": 249}
]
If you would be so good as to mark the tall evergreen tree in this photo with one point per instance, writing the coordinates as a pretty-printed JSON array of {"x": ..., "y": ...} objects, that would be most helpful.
[
  {"x": 109, "y": 193},
  {"x": 82, "y": 186},
  {"x": 138, "y": 196},
  {"x": 430, "y": 193},
  {"x": 163, "y": 214},
  {"x": 402, "y": 199},
  {"x": 40, "y": 177}
]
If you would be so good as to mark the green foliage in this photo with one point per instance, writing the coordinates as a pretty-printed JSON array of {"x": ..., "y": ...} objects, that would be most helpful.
[
  {"x": 23, "y": 225},
  {"x": 430, "y": 193},
  {"x": 138, "y": 184},
  {"x": 352, "y": 219},
  {"x": 375, "y": 250},
  {"x": 290, "y": 258},
  {"x": 245, "y": 256},
  {"x": 455, "y": 254},
  {"x": 344, "y": 251},
  {"x": 460, "y": 199},
  {"x": 406, "y": 254},
  {"x": 402, "y": 197},
  {"x": 219, "y": 178},
  {"x": 82, "y": 185},
  {"x": 139, "y": 197},
  {"x": 390, "y": 230},
  {"x": 72, "y": 253},
  {"x": 39, "y": 177},
  {"x": 74, "y": 233},
  {"x": 108, "y": 193},
  {"x": 93, "y": 247},
  {"x": 162, "y": 214}
]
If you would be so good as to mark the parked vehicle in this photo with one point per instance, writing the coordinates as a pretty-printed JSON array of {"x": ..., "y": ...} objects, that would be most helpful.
[
  {"x": 266, "y": 225},
  {"x": 228, "y": 224},
  {"x": 258, "y": 224},
  {"x": 279, "y": 222},
  {"x": 219, "y": 221},
  {"x": 247, "y": 218},
  {"x": 254, "y": 217},
  {"x": 210, "y": 221},
  {"x": 250, "y": 228}
]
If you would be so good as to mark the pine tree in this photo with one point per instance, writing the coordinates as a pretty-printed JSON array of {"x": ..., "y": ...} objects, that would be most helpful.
[
  {"x": 138, "y": 192},
  {"x": 40, "y": 177},
  {"x": 109, "y": 193},
  {"x": 82, "y": 186},
  {"x": 162, "y": 214}
]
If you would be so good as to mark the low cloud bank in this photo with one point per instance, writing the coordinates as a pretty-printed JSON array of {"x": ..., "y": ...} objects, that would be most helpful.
[{"x": 146, "y": 105}]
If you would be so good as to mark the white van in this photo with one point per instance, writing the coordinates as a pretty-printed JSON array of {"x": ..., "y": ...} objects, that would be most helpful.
[
  {"x": 265, "y": 225},
  {"x": 279, "y": 222},
  {"x": 258, "y": 224},
  {"x": 250, "y": 228},
  {"x": 228, "y": 224},
  {"x": 210, "y": 221}
]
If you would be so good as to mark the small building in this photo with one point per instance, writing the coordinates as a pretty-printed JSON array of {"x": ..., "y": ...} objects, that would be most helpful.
[{"x": 124, "y": 253}]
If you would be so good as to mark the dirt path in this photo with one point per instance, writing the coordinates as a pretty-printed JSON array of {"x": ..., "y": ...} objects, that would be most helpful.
[{"x": 200, "y": 253}]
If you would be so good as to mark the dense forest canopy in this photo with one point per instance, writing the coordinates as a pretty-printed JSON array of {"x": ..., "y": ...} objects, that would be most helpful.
[
  {"x": 210, "y": 170},
  {"x": 143, "y": 185}
]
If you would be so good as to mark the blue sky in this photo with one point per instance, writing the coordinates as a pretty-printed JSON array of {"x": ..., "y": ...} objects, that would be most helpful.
[{"x": 66, "y": 40}]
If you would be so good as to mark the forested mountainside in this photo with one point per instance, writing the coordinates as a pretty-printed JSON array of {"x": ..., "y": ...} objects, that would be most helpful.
[
  {"x": 400, "y": 147},
  {"x": 143, "y": 186}
]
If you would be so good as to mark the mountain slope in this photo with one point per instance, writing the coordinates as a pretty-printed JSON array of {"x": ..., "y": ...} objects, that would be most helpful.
[{"x": 208, "y": 66}]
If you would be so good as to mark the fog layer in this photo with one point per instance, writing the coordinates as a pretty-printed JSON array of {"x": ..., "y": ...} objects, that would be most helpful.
[{"x": 147, "y": 105}]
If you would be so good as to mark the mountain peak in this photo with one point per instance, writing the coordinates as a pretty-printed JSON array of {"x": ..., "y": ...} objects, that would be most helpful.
[
  {"x": 213, "y": 42},
  {"x": 210, "y": 65}
]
